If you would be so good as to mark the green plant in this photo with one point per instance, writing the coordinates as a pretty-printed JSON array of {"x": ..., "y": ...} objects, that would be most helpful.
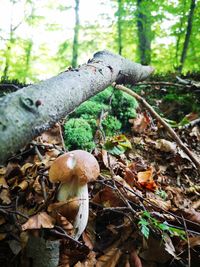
[
  {"x": 90, "y": 108},
  {"x": 78, "y": 134},
  {"x": 104, "y": 96},
  {"x": 124, "y": 108},
  {"x": 117, "y": 145},
  {"x": 147, "y": 223},
  {"x": 111, "y": 125}
]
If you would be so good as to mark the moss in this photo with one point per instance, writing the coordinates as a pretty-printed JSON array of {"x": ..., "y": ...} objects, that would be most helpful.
[
  {"x": 89, "y": 107},
  {"x": 124, "y": 108},
  {"x": 78, "y": 134},
  {"x": 104, "y": 96},
  {"x": 111, "y": 125}
]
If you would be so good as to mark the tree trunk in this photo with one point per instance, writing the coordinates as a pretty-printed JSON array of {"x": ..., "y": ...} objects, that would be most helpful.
[
  {"x": 119, "y": 26},
  {"x": 188, "y": 34},
  {"x": 178, "y": 35},
  {"x": 29, "y": 111},
  {"x": 144, "y": 32},
  {"x": 28, "y": 51},
  {"x": 76, "y": 32},
  {"x": 8, "y": 54}
]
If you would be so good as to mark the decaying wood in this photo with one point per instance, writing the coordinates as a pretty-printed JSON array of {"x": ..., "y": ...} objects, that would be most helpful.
[
  {"x": 29, "y": 111},
  {"x": 172, "y": 133}
]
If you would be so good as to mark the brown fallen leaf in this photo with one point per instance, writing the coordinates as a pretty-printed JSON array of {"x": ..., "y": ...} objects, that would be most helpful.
[
  {"x": 89, "y": 262},
  {"x": 109, "y": 259},
  {"x": 5, "y": 196},
  {"x": 2, "y": 236},
  {"x": 52, "y": 136},
  {"x": 108, "y": 198},
  {"x": 166, "y": 146},
  {"x": 140, "y": 124},
  {"x": 38, "y": 221},
  {"x": 192, "y": 215},
  {"x": 68, "y": 209},
  {"x": 154, "y": 250},
  {"x": 169, "y": 247},
  {"x": 145, "y": 179},
  {"x": 87, "y": 240},
  {"x": 135, "y": 259}
]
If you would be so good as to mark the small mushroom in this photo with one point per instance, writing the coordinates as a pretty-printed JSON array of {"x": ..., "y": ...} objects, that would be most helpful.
[{"x": 74, "y": 170}]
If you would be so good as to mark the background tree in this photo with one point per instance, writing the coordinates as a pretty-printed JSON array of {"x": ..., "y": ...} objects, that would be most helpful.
[
  {"x": 144, "y": 31},
  {"x": 188, "y": 34},
  {"x": 10, "y": 41},
  {"x": 119, "y": 26},
  {"x": 76, "y": 34}
]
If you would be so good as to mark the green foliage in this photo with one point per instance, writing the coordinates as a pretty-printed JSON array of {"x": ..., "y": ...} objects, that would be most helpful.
[
  {"x": 124, "y": 107},
  {"x": 111, "y": 125},
  {"x": 104, "y": 96},
  {"x": 161, "y": 193},
  {"x": 90, "y": 108},
  {"x": 117, "y": 145},
  {"x": 147, "y": 222},
  {"x": 184, "y": 102},
  {"x": 78, "y": 134}
]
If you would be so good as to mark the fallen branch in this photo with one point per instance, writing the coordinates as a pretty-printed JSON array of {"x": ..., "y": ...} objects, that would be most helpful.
[
  {"x": 164, "y": 84},
  {"x": 29, "y": 111},
  {"x": 161, "y": 121}
]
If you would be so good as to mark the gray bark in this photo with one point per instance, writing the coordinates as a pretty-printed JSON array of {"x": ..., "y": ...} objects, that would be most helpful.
[{"x": 29, "y": 111}]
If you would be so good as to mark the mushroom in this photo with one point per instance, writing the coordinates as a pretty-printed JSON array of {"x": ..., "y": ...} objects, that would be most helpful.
[{"x": 74, "y": 170}]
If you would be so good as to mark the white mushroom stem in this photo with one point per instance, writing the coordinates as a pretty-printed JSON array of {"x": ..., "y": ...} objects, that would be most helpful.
[{"x": 73, "y": 189}]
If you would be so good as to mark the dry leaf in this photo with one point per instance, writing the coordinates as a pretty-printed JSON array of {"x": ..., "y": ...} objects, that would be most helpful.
[
  {"x": 140, "y": 124},
  {"x": 110, "y": 259},
  {"x": 166, "y": 146},
  {"x": 52, "y": 136},
  {"x": 134, "y": 259},
  {"x": 87, "y": 240},
  {"x": 5, "y": 196},
  {"x": 108, "y": 198},
  {"x": 68, "y": 209},
  {"x": 89, "y": 262},
  {"x": 145, "y": 179},
  {"x": 65, "y": 224},
  {"x": 192, "y": 215},
  {"x": 154, "y": 250},
  {"x": 38, "y": 221},
  {"x": 2, "y": 236},
  {"x": 169, "y": 247}
]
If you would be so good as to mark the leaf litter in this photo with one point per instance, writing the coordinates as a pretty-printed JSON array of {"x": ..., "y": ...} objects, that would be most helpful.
[{"x": 144, "y": 207}]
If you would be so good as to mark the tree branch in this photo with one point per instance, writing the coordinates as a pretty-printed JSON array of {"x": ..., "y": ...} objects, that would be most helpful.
[
  {"x": 29, "y": 111},
  {"x": 173, "y": 134}
]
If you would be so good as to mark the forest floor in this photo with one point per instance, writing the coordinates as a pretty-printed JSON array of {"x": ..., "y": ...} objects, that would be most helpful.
[{"x": 144, "y": 206}]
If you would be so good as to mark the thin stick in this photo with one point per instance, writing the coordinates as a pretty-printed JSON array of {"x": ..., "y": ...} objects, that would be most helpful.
[
  {"x": 188, "y": 242},
  {"x": 165, "y": 125},
  {"x": 164, "y": 84}
]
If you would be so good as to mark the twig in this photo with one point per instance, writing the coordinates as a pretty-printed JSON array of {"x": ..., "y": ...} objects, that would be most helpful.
[
  {"x": 190, "y": 124},
  {"x": 119, "y": 210},
  {"x": 59, "y": 231},
  {"x": 188, "y": 242},
  {"x": 164, "y": 83},
  {"x": 165, "y": 125},
  {"x": 61, "y": 136},
  {"x": 38, "y": 153},
  {"x": 177, "y": 217}
]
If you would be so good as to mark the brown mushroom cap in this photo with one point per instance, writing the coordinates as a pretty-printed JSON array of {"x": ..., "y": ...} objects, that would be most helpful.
[{"x": 74, "y": 164}]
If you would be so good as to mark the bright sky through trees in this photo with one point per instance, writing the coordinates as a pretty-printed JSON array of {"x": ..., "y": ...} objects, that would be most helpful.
[{"x": 52, "y": 29}]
